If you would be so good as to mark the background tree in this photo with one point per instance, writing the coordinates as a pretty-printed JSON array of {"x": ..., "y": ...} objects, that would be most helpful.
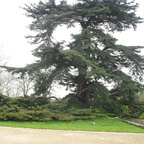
[
  {"x": 13, "y": 85},
  {"x": 92, "y": 60},
  {"x": 3, "y": 61},
  {"x": 25, "y": 85}
]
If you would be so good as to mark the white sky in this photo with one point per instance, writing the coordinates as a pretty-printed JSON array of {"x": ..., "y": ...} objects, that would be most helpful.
[{"x": 13, "y": 29}]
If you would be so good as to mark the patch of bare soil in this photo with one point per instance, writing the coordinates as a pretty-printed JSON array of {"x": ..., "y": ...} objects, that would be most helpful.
[{"x": 38, "y": 136}]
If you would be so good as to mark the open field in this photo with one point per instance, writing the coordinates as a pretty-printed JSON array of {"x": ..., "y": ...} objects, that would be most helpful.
[{"x": 101, "y": 125}]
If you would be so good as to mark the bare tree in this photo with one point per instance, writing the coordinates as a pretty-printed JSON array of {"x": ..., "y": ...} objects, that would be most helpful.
[
  {"x": 12, "y": 85},
  {"x": 2, "y": 76},
  {"x": 6, "y": 84},
  {"x": 25, "y": 85}
]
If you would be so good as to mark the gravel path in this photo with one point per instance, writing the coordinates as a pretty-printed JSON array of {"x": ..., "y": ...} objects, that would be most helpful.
[{"x": 38, "y": 136}]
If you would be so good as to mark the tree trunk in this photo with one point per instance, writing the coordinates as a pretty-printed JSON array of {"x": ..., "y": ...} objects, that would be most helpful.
[
  {"x": 81, "y": 92},
  {"x": 82, "y": 88}
]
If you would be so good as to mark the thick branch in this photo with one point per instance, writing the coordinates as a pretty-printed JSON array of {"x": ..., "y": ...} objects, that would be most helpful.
[
  {"x": 53, "y": 97},
  {"x": 70, "y": 95}
]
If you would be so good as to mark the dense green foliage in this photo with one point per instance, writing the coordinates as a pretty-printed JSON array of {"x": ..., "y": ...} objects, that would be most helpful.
[
  {"x": 42, "y": 109},
  {"x": 93, "y": 60}
]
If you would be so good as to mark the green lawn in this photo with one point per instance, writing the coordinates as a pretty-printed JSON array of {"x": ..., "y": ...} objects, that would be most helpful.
[{"x": 102, "y": 124}]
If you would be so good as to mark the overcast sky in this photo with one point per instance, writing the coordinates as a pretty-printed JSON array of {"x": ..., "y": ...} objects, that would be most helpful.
[{"x": 13, "y": 29}]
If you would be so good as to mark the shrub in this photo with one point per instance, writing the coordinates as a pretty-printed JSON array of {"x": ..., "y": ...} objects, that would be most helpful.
[
  {"x": 62, "y": 117},
  {"x": 81, "y": 112},
  {"x": 29, "y": 101},
  {"x": 75, "y": 103},
  {"x": 4, "y": 100},
  {"x": 56, "y": 106}
]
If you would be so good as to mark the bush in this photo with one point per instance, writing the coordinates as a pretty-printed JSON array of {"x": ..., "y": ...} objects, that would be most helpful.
[
  {"x": 8, "y": 109},
  {"x": 56, "y": 106},
  {"x": 75, "y": 103},
  {"x": 39, "y": 115},
  {"x": 62, "y": 117},
  {"x": 81, "y": 112},
  {"x": 14, "y": 117},
  {"x": 4, "y": 100},
  {"x": 29, "y": 101}
]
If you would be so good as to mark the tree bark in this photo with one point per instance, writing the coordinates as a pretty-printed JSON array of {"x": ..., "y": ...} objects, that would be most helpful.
[{"x": 82, "y": 88}]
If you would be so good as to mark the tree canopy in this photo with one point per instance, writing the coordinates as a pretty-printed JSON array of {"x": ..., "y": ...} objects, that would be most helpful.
[{"x": 93, "y": 60}]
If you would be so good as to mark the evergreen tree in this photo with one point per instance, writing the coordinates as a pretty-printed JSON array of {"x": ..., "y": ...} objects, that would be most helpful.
[{"x": 92, "y": 59}]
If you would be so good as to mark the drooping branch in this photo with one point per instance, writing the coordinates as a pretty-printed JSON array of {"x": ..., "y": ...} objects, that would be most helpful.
[{"x": 52, "y": 97}]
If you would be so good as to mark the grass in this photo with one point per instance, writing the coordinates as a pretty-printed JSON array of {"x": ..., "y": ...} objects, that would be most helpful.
[
  {"x": 102, "y": 124},
  {"x": 142, "y": 116}
]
